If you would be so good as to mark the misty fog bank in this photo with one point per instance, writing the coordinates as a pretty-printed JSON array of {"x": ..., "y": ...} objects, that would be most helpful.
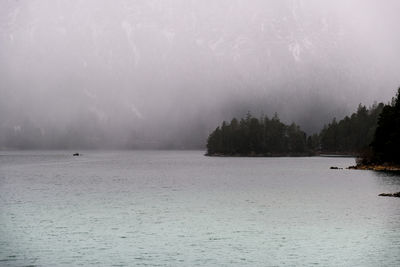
[{"x": 165, "y": 73}]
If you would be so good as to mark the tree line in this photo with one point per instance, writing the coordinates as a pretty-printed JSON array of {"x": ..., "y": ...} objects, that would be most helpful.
[
  {"x": 253, "y": 136},
  {"x": 360, "y": 133},
  {"x": 353, "y": 134},
  {"x": 385, "y": 146}
]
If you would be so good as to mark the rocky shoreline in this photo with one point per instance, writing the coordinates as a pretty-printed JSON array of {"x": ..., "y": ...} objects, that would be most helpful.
[
  {"x": 390, "y": 168},
  {"x": 254, "y": 155}
]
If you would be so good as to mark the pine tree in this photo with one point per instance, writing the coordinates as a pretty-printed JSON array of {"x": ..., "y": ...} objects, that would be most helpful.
[{"x": 386, "y": 143}]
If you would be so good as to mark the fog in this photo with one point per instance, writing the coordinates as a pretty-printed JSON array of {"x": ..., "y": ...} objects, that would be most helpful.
[{"x": 164, "y": 73}]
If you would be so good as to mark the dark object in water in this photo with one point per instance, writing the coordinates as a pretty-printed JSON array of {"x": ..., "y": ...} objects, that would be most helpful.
[
  {"x": 76, "y": 154},
  {"x": 335, "y": 168},
  {"x": 390, "y": 195}
]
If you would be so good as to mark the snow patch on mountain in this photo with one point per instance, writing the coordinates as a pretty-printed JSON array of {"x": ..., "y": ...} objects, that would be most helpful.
[
  {"x": 295, "y": 49},
  {"x": 127, "y": 27},
  {"x": 100, "y": 115},
  {"x": 135, "y": 111}
]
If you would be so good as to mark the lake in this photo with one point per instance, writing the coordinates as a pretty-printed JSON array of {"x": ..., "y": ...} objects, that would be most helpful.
[{"x": 180, "y": 208}]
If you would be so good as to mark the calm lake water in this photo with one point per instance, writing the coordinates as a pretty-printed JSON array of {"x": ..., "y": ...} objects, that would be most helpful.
[{"x": 180, "y": 208}]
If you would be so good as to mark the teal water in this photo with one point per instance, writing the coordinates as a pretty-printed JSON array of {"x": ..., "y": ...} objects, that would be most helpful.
[{"x": 180, "y": 208}]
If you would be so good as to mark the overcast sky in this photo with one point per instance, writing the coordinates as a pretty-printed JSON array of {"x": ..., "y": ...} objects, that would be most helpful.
[{"x": 163, "y": 73}]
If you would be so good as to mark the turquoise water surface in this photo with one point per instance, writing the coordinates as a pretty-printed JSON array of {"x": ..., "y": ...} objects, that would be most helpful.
[{"x": 180, "y": 208}]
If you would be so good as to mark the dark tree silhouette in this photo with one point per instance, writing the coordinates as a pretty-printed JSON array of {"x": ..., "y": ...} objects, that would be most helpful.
[
  {"x": 386, "y": 142},
  {"x": 352, "y": 134},
  {"x": 252, "y": 136},
  {"x": 269, "y": 137}
]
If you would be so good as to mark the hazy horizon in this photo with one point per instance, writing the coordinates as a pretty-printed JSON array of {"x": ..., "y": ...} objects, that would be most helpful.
[{"x": 163, "y": 74}]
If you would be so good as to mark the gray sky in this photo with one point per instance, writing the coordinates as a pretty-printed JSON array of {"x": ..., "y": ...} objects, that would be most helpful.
[{"x": 94, "y": 73}]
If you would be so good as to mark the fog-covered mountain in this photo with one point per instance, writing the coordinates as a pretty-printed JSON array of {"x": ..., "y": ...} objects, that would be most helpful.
[{"x": 162, "y": 74}]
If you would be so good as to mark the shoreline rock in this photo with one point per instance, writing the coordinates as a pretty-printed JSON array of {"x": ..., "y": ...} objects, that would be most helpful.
[
  {"x": 387, "y": 168},
  {"x": 335, "y": 168}
]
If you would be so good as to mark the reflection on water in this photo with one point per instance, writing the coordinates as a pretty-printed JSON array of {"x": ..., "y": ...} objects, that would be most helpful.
[
  {"x": 388, "y": 178},
  {"x": 181, "y": 208}
]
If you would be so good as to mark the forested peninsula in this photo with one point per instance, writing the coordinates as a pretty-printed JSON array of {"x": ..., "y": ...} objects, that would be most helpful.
[
  {"x": 372, "y": 134},
  {"x": 257, "y": 137}
]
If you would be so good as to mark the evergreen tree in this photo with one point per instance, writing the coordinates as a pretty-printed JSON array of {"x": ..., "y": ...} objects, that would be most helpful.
[
  {"x": 352, "y": 134},
  {"x": 386, "y": 143},
  {"x": 252, "y": 136}
]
